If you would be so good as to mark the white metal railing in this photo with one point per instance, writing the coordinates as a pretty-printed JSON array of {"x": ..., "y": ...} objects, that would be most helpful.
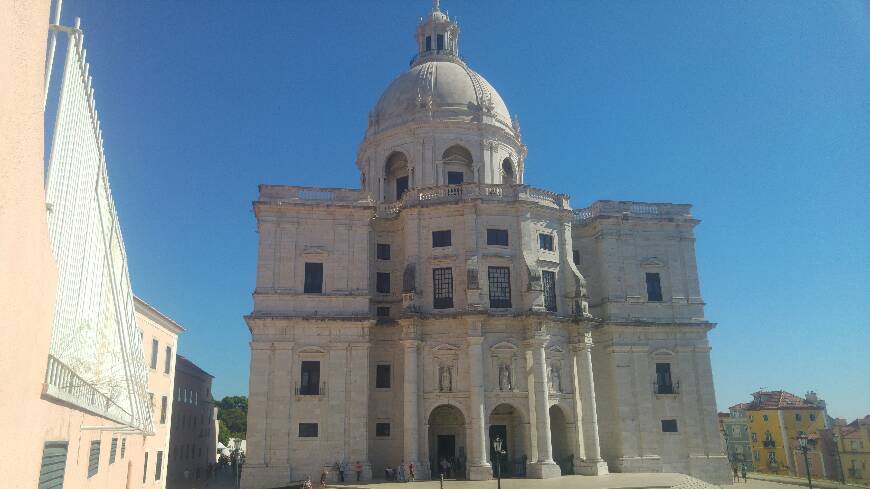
[
  {"x": 634, "y": 209},
  {"x": 94, "y": 339}
]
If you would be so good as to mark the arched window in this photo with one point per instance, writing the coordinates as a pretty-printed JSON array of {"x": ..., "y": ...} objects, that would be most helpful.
[
  {"x": 457, "y": 163},
  {"x": 396, "y": 176},
  {"x": 507, "y": 168}
]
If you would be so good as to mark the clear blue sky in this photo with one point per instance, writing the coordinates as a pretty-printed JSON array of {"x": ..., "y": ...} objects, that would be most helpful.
[{"x": 756, "y": 112}]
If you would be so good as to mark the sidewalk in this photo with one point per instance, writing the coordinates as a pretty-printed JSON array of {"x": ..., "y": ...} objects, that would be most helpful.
[
  {"x": 797, "y": 481},
  {"x": 610, "y": 481}
]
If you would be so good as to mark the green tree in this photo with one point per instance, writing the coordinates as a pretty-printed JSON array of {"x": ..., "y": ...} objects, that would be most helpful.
[{"x": 232, "y": 417}]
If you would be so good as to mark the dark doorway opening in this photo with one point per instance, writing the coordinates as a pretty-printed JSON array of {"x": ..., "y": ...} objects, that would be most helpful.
[{"x": 447, "y": 452}]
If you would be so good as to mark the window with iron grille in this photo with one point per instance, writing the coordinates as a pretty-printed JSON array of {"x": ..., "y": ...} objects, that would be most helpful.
[
  {"x": 383, "y": 312},
  {"x": 383, "y": 251},
  {"x": 382, "y": 376},
  {"x": 382, "y": 430},
  {"x": 113, "y": 451},
  {"x": 313, "y": 278},
  {"x": 549, "y": 279},
  {"x": 455, "y": 177},
  {"x": 653, "y": 287},
  {"x": 158, "y": 467},
  {"x": 497, "y": 237},
  {"x": 307, "y": 430},
  {"x": 442, "y": 288},
  {"x": 669, "y": 426},
  {"x": 441, "y": 239},
  {"x": 94, "y": 459},
  {"x": 163, "y": 402},
  {"x": 123, "y": 447},
  {"x": 383, "y": 283},
  {"x": 499, "y": 287},
  {"x": 546, "y": 241},
  {"x": 309, "y": 382},
  {"x": 664, "y": 385}
]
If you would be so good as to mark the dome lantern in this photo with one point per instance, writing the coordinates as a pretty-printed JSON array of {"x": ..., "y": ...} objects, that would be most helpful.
[{"x": 437, "y": 37}]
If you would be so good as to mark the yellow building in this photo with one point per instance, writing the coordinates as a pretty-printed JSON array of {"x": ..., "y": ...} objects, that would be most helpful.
[
  {"x": 853, "y": 447},
  {"x": 776, "y": 418}
]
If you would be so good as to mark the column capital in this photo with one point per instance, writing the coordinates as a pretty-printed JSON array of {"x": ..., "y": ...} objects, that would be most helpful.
[
  {"x": 409, "y": 343},
  {"x": 475, "y": 340},
  {"x": 537, "y": 341}
]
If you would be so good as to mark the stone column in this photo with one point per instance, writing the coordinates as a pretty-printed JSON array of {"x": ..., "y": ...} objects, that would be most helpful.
[
  {"x": 582, "y": 361},
  {"x": 411, "y": 420},
  {"x": 278, "y": 415},
  {"x": 358, "y": 419},
  {"x": 544, "y": 467},
  {"x": 479, "y": 468}
]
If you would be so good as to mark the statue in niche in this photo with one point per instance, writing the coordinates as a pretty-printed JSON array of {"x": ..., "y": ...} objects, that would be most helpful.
[
  {"x": 504, "y": 377},
  {"x": 555, "y": 378},
  {"x": 445, "y": 378}
]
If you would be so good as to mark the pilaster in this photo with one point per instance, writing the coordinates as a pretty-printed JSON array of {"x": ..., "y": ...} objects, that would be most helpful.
[
  {"x": 478, "y": 467},
  {"x": 358, "y": 417},
  {"x": 411, "y": 404}
]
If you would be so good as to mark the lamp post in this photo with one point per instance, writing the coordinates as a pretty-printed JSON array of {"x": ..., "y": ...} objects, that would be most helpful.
[
  {"x": 842, "y": 477},
  {"x": 498, "y": 448},
  {"x": 802, "y": 443}
]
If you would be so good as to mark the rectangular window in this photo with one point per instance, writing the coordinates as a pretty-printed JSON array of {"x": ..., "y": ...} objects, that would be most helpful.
[
  {"x": 94, "y": 459},
  {"x": 53, "y": 467},
  {"x": 113, "y": 451},
  {"x": 653, "y": 287},
  {"x": 401, "y": 187},
  {"x": 158, "y": 467},
  {"x": 440, "y": 41},
  {"x": 663, "y": 379},
  {"x": 383, "y": 251},
  {"x": 428, "y": 43},
  {"x": 383, "y": 283},
  {"x": 442, "y": 288},
  {"x": 575, "y": 257},
  {"x": 163, "y": 402},
  {"x": 145, "y": 468},
  {"x": 382, "y": 376},
  {"x": 441, "y": 239},
  {"x": 168, "y": 363},
  {"x": 155, "y": 345},
  {"x": 669, "y": 426},
  {"x": 497, "y": 237},
  {"x": 383, "y": 312},
  {"x": 499, "y": 287},
  {"x": 123, "y": 447},
  {"x": 313, "y": 278},
  {"x": 309, "y": 384},
  {"x": 455, "y": 177},
  {"x": 382, "y": 430},
  {"x": 545, "y": 241},
  {"x": 549, "y": 279},
  {"x": 307, "y": 430},
  {"x": 797, "y": 416},
  {"x": 812, "y": 417}
]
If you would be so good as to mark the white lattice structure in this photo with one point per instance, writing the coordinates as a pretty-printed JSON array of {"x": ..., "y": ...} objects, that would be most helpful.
[{"x": 95, "y": 355}]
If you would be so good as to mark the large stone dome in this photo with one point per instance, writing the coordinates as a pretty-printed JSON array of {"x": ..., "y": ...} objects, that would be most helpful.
[{"x": 447, "y": 88}]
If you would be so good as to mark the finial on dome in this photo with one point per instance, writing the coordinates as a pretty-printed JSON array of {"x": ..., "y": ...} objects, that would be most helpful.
[{"x": 436, "y": 5}]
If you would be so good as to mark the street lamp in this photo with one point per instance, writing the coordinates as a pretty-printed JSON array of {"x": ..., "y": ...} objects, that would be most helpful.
[
  {"x": 837, "y": 455},
  {"x": 802, "y": 442},
  {"x": 498, "y": 448}
]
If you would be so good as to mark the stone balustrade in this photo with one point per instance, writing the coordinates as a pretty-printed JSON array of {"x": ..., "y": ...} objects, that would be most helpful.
[
  {"x": 295, "y": 194},
  {"x": 632, "y": 209},
  {"x": 472, "y": 191}
]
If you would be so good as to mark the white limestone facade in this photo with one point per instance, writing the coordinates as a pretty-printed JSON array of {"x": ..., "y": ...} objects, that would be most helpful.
[{"x": 445, "y": 304}]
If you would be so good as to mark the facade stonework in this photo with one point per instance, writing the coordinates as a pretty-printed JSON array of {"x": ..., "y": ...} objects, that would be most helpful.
[{"x": 445, "y": 304}]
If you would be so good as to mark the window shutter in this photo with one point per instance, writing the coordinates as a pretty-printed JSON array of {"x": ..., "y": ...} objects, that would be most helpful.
[{"x": 53, "y": 466}]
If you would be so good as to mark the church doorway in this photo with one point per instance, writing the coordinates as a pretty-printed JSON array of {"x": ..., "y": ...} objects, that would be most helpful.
[
  {"x": 447, "y": 452},
  {"x": 562, "y": 453},
  {"x": 507, "y": 422}
]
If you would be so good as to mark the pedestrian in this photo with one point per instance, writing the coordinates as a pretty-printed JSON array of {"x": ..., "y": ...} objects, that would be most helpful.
[
  {"x": 743, "y": 472},
  {"x": 402, "y": 471},
  {"x": 388, "y": 472},
  {"x": 339, "y": 466},
  {"x": 411, "y": 476},
  {"x": 307, "y": 484},
  {"x": 358, "y": 469},
  {"x": 323, "y": 478},
  {"x": 736, "y": 477}
]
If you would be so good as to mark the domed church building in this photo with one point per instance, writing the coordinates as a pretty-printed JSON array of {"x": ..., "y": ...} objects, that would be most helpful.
[{"x": 449, "y": 316}]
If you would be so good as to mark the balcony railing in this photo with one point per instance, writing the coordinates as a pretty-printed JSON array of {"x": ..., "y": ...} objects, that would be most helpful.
[
  {"x": 472, "y": 191},
  {"x": 672, "y": 388},
  {"x": 311, "y": 389},
  {"x": 632, "y": 209},
  {"x": 768, "y": 444},
  {"x": 62, "y": 383}
]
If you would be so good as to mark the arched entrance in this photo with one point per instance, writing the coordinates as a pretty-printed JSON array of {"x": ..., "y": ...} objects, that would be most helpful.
[
  {"x": 559, "y": 436},
  {"x": 447, "y": 452},
  {"x": 508, "y": 422}
]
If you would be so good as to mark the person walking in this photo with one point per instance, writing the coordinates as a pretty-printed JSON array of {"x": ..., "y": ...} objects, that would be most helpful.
[
  {"x": 402, "y": 471},
  {"x": 339, "y": 467},
  {"x": 743, "y": 472},
  {"x": 411, "y": 476},
  {"x": 323, "y": 478},
  {"x": 736, "y": 477},
  {"x": 358, "y": 468}
]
